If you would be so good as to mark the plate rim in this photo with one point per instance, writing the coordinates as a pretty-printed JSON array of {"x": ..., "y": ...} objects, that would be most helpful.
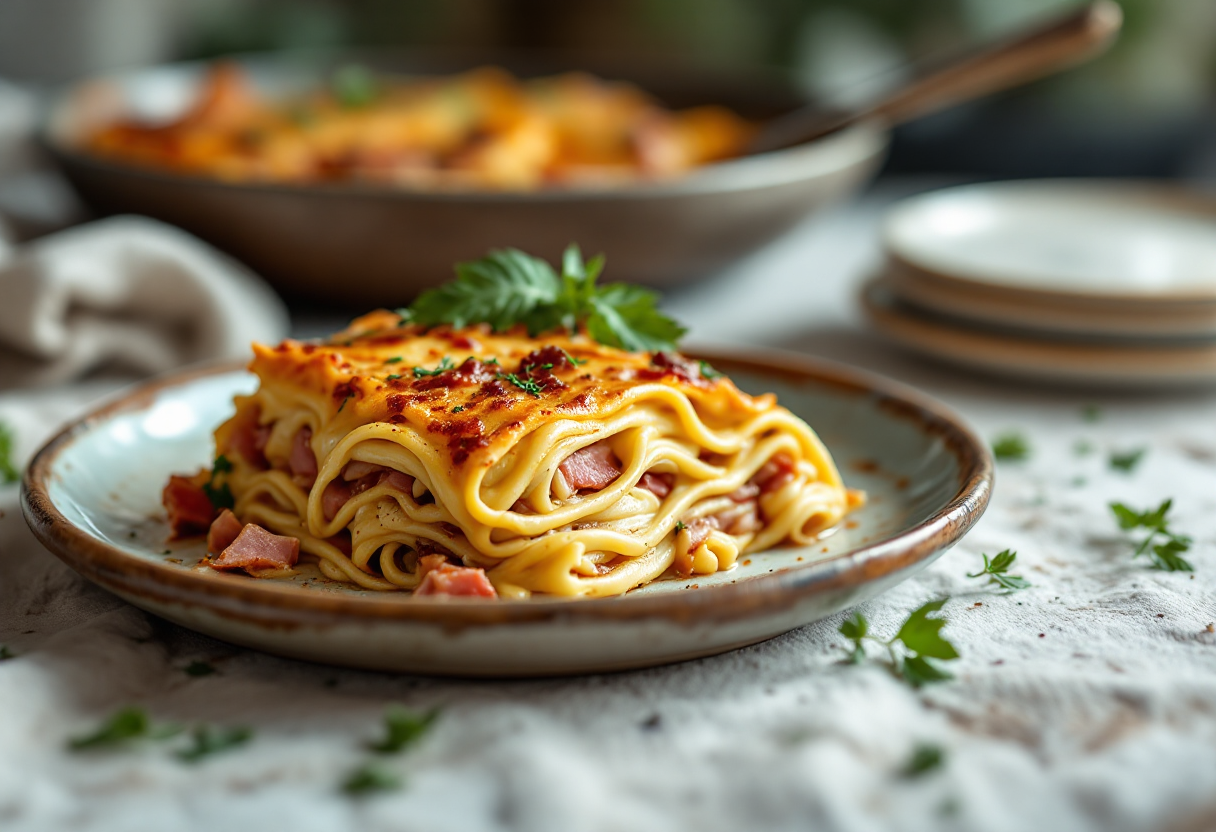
[
  {"x": 1189, "y": 200},
  {"x": 269, "y": 603},
  {"x": 917, "y": 331}
]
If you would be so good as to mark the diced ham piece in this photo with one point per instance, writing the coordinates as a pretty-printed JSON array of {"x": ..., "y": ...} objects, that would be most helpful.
[
  {"x": 190, "y": 511},
  {"x": 225, "y": 529},
  {"x": 427, "y": 563},
  {"x": 398, "y": 481},
  {"x": 745, "y": 492},
  {"x": 248, "y": 440},
  {"x": 257, "y": 549},
  {"x": 593, "y": 467},
  {"x": 445, "y": 579},
  {"x": 775, "y": 473},
  {"x": 334, "y": 497},
  {"x": 337, "y": 492},
  {"x": 303, "y": 461},
  {"x": 356, "y": 470},
  {"x": 741, "y": 519},
  {"x": 698, "y": 531},
  {"x": 659, "y": 485}
]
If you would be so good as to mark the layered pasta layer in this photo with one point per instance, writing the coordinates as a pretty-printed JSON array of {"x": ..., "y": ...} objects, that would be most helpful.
[{"x": 555, "y": 464}]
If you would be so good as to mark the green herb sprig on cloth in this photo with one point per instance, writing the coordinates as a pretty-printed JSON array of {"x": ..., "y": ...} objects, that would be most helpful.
[
  {"x": 1166, "y": 554},
  {"x": 1011, "y": 446},
  {"x": 402, "y": 729},
  {"x": 121, "y": 728},
  {"x": 921, "y": 640},
  {"x": 997, "y": 571},
  {"x": 8, "y": 471},
  {"x": 208, "y": 740},
  {"x": 509, "y": 287}
]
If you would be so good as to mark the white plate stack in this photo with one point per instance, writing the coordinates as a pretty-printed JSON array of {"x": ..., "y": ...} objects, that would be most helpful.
[{"x": 1098, "y": 282}]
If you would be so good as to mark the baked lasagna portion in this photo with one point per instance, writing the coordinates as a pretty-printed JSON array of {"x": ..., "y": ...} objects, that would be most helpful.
[{"x": 461, "y": 461}]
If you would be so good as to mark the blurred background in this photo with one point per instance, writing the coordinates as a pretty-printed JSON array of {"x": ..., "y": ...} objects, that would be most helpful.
[{"x": 1144, "y": 109}]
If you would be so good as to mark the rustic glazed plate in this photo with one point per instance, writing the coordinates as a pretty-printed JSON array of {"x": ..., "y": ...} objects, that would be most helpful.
[
  {"x": 92, "y": 496},
  {"x": 1116, "y": 242},
  {"x": 1138, "y": 364}
]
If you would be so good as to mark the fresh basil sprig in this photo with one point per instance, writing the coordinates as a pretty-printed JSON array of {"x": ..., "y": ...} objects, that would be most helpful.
[{"x": 509, "y": 287}]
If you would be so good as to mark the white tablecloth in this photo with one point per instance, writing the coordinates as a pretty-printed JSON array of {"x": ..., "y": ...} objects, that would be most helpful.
[{"x": 1086, "y": 702}]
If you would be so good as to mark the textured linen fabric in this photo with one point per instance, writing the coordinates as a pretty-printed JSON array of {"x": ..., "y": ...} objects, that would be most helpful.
[
  {"x": 1087, "y": 702},
  {"x": 127, "y": 292}
]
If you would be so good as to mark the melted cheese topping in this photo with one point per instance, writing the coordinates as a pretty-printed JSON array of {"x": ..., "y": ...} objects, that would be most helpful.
[{"x": 483, "y": 423}]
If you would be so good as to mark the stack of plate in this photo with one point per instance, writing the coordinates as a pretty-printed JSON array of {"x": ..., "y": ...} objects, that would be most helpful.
[{"x": 1109, "y": 283}]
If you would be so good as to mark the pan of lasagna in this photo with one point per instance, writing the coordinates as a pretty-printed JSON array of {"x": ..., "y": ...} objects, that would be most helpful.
[{"x": 359, "y": 179}]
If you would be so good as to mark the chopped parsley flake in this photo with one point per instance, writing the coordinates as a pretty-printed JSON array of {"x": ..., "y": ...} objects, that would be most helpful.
[
  {"x": 393, "y": 377},
  {"x": 216, "y": 490},
  {"x": 526, "y": 384},
  {"x": 396, "y": 359},
  {"x": 708, "y": 371},
  {"x": 573, "y": 361},
  {"x": 458, "y": 408},
  {"x": 444, "y": 365},
  {"x": 680, "y": 526},
  {"x": 347, "y": 398}
]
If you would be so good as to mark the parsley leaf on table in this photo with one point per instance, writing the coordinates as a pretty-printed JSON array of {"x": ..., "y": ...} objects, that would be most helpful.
[
  {"x": 371, "y": 777},
  {"x": 855, "y": 628},
  {"x": 924, "y": 759},
  {"x": 922, "y": 641},
  {"x": 509, "y": 287},
  {"x": 1165, "y": 555},
  {"x": 124, "y": 726},
  {"x": 208, "y": 741},
  {"x": 1011, "y": 446},
  {"x": 8, "y": 471},
  {"x": 997, "y": 571},
  {"x": 1128, "y": 460},
  {"x": 403, "y": 728}
]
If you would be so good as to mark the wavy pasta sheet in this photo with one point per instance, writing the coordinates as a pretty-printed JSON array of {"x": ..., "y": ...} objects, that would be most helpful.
[{"x": 555, "y": 464}]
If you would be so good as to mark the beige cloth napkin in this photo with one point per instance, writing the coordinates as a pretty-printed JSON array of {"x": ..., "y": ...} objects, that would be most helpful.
[{"x": 126, "y": 293}]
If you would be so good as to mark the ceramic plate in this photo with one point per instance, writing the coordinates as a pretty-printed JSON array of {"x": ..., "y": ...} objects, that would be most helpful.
[
  {"x": 1063, "y": 316},
  {"x": 1136, "y": 365},
  {"x": 92, "y": 496},
  {"x": 1123, "y": 241}
]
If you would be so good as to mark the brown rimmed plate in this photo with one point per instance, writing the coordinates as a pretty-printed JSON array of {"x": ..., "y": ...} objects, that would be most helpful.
[{"x": 92, "y": 496}]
